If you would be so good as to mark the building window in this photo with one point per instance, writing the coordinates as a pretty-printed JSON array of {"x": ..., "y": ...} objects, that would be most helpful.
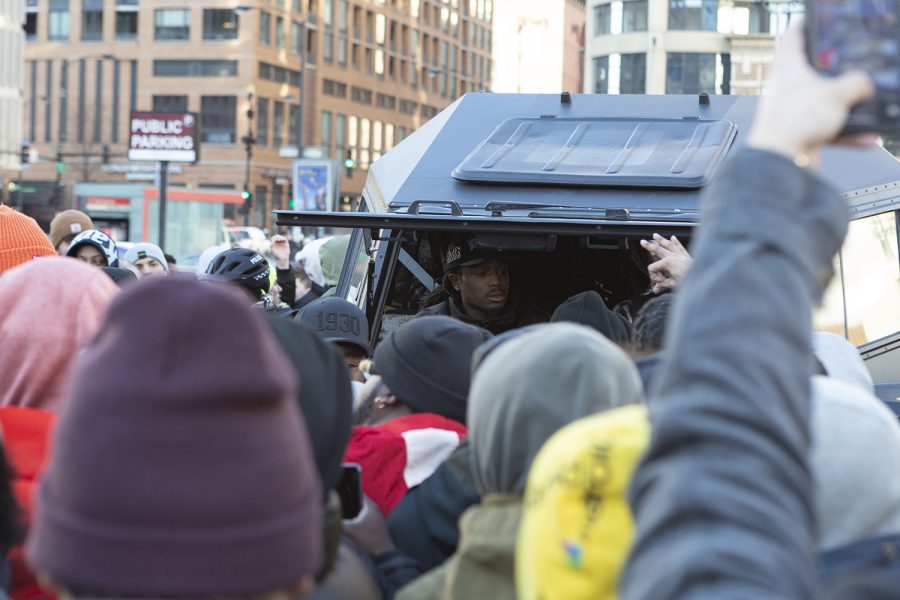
[
  {"x": 327, "y": 45},
  {"x": 333, "y": 88},
  {"x": 690, "y": 73},
  {"x": 278, "y": 124},
  {"x": 265, "y": 28},
  {"x": 279, "y": 33},
  {"x": 340, "y": 134},
  {"x": 260, "y": 204},
  {"x": 219, "y": 119},
  {"x": 325, "y": 130},
  {"x": 58, "y": 21},
  {"x": 782, "y": 15},
  {"x": 220, "y": 24},
  {"x": 311, "y": 44},
  {"x": 408, "y": 107},
  {"x": 126, "y": 20},
  {"x": 633, "y": 73},
  {"x": 172, "y": 24},
  {"x": 92, "y": 20},
  {"x": 262, "y": 122},
  {"x": 279, "y": 74},
  {"x": 31, "y": 26},
  {"x": 352, "y": 132},
  {"x": 601, "y": 75},
  {"x": 293, "y": 122},
  {"x": 365, "y": 134},
  {"x": 694, "y": 15},
  {"x": 195, "y": 68},
  {"x": 361, "y": 95},
  {"x": 170, "y": 104},
  {"x": 634, "y": 15},
  {"x": 342, "y": 50},
  {"x": 385, "y": 101},
  {"x": 602, "y": 19},
  {"x": 296, "y": 37},
  {"x": 342, "y": 15},
  {"x": 377, "y": 135}
]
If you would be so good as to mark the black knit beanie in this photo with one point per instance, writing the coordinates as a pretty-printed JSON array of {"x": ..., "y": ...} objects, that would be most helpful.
[
  {"x": 427, "y": 364},
  {"x": 588, "y": 308},
  {"x": 325, "y": 398}
]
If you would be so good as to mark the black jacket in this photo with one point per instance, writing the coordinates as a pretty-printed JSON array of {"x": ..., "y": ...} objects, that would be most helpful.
[
  {"x": 516, "y": 314},
  {"x": 288, "y": 285},
  {"x": 315, "y": 292},
  {"x": 425, "y": 523}
]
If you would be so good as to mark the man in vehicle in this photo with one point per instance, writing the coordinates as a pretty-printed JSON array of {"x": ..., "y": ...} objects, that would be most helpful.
[{"x": 476, "y": 289}]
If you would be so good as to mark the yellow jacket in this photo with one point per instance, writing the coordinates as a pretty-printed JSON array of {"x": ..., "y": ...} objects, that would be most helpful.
[{"x": 577, "y": 527}]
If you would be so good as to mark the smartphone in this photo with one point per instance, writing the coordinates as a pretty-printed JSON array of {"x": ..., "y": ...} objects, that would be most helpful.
[
  {"x": 846, "y": 35},
  {"x": 349, "y": 488}
]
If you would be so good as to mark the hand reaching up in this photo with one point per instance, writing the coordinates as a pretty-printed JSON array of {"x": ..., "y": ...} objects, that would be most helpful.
[
  {"x": 281, "y": 251},
  {"x": 672, "y": 265}
]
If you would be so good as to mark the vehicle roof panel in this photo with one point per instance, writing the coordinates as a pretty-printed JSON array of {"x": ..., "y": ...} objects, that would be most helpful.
[{"x": 420, "y": 168}]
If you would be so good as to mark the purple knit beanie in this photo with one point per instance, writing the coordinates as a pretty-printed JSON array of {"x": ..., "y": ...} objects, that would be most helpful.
[{"x": 181, "y": 467}]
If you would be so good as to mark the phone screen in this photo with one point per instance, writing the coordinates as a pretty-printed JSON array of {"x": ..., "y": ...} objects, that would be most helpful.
[
  {"x": 860, "y": 34},
  {"x": 349, "y": 489}
]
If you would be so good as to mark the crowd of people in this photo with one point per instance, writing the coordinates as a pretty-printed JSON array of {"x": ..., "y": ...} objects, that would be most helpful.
[{"x": 176, "y": 437}]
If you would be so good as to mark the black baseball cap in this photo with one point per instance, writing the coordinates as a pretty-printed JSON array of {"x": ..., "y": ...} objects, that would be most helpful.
[
  {"x": 336, "y": 320},
  {"x": 465, "y": 252}
]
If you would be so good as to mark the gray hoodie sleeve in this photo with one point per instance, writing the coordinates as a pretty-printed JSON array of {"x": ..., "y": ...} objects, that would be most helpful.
[{"x": 723, "y": 499}]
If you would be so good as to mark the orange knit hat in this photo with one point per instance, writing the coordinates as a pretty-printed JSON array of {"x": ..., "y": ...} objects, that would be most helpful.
[{"x": 20, "y": 239}]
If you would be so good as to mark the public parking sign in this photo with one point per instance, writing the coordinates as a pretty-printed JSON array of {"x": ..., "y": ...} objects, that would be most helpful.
[{"x": 169, "y": 137}]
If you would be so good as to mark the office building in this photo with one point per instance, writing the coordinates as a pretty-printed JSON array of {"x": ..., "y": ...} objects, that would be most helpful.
[
  {"x": 683, "y": 46},
  {"x": 12, "y": 59},
  {"x": 538, "y": 46},
  {"x": 364, "y": 74}
]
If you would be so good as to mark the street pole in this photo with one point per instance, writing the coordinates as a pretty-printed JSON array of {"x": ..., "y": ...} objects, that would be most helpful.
[
  {"x": 163, "y": 193},
  {"x": 248, "y": 140},
  {"x": 247, "y": 182},
  {"x": 20, "y": 204},
  {"x": 302, "y": 92}
]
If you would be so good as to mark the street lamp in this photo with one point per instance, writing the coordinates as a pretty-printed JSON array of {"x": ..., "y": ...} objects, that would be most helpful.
[
  {"x": 249, "y": 142},
  {"x": 302, "y": 82}
]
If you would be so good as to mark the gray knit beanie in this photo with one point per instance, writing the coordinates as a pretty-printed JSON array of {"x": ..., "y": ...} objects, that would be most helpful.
[{"x": 427, "y": 364}]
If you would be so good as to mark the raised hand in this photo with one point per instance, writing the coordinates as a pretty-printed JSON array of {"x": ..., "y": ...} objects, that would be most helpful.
[{"x": 672, "y": 265}]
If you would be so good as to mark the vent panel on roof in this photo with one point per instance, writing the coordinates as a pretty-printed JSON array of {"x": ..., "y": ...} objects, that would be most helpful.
[{"x": 667, "y": 153}]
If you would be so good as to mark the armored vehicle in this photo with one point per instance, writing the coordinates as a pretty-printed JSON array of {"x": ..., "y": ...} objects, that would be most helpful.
[{"x": 571, "y": 183}]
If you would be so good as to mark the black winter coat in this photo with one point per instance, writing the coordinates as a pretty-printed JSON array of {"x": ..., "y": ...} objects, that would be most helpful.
[{"x": 425, "y": 523}]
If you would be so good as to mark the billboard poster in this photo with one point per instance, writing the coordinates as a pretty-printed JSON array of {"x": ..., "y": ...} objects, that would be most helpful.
[
  {"x": 313, "y": 182},
  {"x": 164, "y": 137}
]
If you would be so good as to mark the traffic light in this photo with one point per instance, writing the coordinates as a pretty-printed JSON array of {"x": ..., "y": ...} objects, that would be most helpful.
[
  {"x": 25, "y": 157},
  {"x": 105, "y": 154},
  {"x": 248, "y": 201},
  {"x": 349, "y": 164}
]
